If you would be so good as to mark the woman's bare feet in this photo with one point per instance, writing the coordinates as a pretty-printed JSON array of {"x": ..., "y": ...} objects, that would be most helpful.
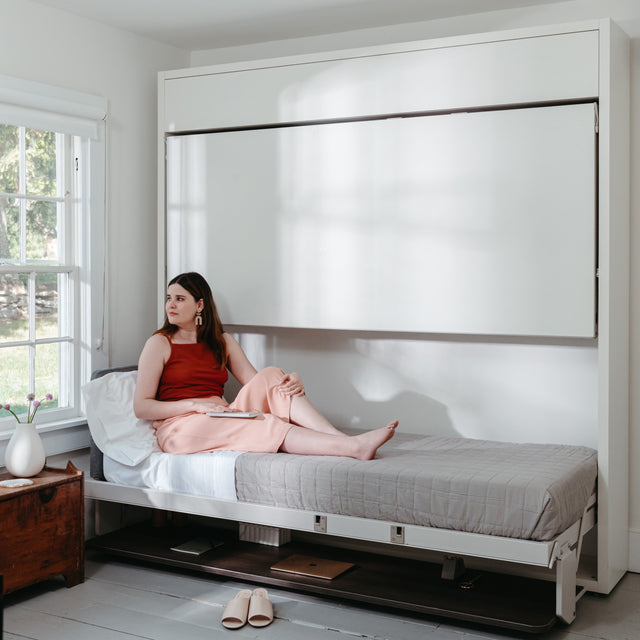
[
  {"x": 371, "y": 441},
  {"x": 305, "y": 441}
]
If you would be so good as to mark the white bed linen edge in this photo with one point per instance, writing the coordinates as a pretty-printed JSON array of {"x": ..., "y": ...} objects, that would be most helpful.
[{"x": 210, "y": 474}]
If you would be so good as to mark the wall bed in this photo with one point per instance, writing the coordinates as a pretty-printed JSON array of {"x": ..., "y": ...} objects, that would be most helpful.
[
  {"x": 259, "y": 107},
  {"x": 461, "y": 500}
]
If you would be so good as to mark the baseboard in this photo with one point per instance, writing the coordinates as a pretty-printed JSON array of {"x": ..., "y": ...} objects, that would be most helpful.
[{"x": 634, "y": 550}]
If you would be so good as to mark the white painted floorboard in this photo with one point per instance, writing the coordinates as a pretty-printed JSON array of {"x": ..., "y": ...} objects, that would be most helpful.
[{"x": 123, "y": 601}]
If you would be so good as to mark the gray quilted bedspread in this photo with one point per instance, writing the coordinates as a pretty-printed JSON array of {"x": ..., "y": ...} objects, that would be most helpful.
[{"x": 527, "y": 491}]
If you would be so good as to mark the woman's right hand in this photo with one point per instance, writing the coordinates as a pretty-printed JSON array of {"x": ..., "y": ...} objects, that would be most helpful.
[{"x": 209, "y": 405}]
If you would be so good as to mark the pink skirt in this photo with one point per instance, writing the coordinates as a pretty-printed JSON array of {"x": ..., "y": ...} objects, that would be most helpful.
[{"x": 196, "y": 432}]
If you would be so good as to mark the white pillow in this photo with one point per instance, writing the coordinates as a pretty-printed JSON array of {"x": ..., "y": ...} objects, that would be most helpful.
[{"x": 113, "y": 424}]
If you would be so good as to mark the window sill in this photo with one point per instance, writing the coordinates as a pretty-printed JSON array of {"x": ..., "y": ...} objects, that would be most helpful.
[
  {"x": 58, "y": 437},
  {"x": 44, "y": 427}
]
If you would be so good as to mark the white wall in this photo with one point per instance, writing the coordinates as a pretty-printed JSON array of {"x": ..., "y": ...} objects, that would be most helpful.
[
  {"x": 46, "y": 45},
  {"x": 531, "y": 391}
]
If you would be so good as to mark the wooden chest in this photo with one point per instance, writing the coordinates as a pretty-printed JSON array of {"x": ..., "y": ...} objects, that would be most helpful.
[{"x": 42, "y": 529}]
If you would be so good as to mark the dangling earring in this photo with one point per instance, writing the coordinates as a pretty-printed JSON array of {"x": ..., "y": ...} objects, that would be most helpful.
[{"x": 198, "y": 318}]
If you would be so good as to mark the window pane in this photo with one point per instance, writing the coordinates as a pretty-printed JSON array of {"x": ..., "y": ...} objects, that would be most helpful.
[
  {"x": 65, "y": 315},
  {"x": 14, "y": 309},
  {"x": 9, "y": 230},
  {"x": 14, "y": 363},
  {"x": 47, "y": 368},
  {"x": 41, "y": 162},
  {"x": 9, "y": 158},
  {"x": 46, "y": 305},
  {"x": 65, "y": 368},
  {"x": 42, "y": 235}
]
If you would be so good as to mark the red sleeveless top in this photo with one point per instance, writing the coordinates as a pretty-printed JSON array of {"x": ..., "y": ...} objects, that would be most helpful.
[{"x": 191, "y": 372}]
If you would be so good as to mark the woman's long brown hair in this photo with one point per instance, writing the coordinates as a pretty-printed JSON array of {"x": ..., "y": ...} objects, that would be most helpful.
[{"x": 211, "y": 330}]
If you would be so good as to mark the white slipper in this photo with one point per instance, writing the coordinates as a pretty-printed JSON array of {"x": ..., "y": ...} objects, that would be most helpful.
[
  {"x": 235, "y": 613},
  {"x": 260, "y": 609}
]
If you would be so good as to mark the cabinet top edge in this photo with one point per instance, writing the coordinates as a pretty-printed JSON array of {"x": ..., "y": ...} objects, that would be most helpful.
[
  {"x": 382, "y": 49},
  {"x": 48, "y": 477}
]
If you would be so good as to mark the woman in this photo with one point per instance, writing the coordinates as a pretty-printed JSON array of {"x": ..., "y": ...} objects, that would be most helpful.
[{"x": 181, "y": 375}]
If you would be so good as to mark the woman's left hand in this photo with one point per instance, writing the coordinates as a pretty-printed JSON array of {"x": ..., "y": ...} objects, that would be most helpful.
[{"x": 291, "y": 385}]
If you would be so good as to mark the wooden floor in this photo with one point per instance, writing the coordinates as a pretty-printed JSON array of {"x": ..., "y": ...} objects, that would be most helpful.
[{"x": 121, "y": 600}]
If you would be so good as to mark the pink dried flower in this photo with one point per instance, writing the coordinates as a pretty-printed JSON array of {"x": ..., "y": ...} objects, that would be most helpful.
[{"x": 34, "y": 405}]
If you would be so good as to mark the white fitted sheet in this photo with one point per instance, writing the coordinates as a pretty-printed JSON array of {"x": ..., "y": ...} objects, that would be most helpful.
[{"x": 209, "y": 474}]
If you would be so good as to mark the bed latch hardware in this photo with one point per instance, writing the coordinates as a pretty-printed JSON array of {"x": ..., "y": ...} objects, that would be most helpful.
[
  {"x": 397, "y": 534},
  {"x": 320, "y": 524}
]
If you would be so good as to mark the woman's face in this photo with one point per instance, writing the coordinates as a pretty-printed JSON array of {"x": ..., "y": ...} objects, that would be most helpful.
[{"x": 181, "y": 306}]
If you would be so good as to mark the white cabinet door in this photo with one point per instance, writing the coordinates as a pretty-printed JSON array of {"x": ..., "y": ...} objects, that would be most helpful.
[
  {"x": 478, "y": 223},
  {"x": 459, "y": 75}
]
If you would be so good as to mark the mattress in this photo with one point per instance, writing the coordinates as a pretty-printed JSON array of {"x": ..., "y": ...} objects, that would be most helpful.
[{"x": 526, "y": 491}]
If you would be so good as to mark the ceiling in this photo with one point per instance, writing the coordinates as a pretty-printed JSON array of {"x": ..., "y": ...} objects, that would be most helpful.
[{"x": 206, "y": 24}]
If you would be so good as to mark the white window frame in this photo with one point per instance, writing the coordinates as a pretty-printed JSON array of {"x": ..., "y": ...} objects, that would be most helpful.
[{"x": 40, "y": 106}]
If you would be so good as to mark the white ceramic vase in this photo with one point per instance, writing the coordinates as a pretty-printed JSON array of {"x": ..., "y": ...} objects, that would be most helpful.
[{"x": 25, "y": 455}]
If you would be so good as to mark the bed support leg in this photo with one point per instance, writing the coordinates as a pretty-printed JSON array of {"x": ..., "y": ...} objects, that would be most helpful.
[
  {"x": 566, "y": 582},
  {"x": 262, "y": 534},
  {"x": 567, "y": 561},
  {"x": 452, "y": 567}
]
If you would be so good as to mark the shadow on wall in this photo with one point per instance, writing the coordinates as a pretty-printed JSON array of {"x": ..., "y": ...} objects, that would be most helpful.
[
  {"x": 417, "y": 413},
  {"x": 349, "y": 388},
  {"x": 494, "y": 388}
]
